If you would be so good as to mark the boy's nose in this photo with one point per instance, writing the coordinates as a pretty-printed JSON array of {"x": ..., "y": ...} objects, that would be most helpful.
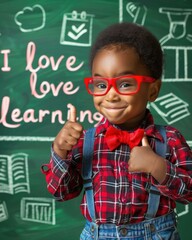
[{"x": 112, "y": 95}]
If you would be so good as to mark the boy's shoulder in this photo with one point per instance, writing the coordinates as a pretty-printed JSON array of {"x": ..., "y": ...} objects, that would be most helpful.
[
  {"x": 175, "y": 137},
  {"x": 168, "y": 128},
  {"x": 171, "y": 130}
]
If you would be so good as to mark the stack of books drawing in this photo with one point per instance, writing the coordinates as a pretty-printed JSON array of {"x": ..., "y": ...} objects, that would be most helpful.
[{"x": 171, "y": 108}]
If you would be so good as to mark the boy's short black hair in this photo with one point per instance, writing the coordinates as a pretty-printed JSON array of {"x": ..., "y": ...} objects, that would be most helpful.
[{"x": 132, "y": 35}]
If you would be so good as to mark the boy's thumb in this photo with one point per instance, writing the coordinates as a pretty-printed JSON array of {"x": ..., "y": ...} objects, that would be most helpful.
[
  {"x": 72, "y": 113},
  {"x": 144, "y": 141}
]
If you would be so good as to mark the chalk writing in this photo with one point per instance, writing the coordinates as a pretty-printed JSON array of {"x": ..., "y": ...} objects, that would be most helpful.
[
  {"x": 6, "y": 67},
  {"x": 45, "y": 61},
  {"x": 46, "y": 87},
  {"x": 34, "y": 116}
]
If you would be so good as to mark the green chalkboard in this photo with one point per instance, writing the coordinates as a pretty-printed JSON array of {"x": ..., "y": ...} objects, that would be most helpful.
[{"x": 44, "y": 56}]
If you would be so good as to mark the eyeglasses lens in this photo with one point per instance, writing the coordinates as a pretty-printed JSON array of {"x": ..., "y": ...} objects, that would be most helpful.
[
  {"x": 100, "y": 86},
  {"x": 126, "y": 85}
]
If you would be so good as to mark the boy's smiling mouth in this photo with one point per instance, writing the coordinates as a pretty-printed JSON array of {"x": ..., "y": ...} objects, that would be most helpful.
[{"x": 113, "y": 108}]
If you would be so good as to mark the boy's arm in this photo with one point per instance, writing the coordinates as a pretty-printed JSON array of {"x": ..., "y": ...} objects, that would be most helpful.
[
  {"x": 62, "y": 177},
  {"x": 173, "y": 175},
  {"x": 178, "y": 181}
]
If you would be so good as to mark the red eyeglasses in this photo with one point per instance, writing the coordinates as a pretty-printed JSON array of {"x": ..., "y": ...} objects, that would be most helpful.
[{"x": 124, "y": 85}]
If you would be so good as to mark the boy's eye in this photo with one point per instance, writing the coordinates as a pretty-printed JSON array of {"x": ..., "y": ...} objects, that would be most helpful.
[
  {"x": 101, "y": 85},
  {"x": 126, "y": 83},
  {"x": 98, "y": 83}
]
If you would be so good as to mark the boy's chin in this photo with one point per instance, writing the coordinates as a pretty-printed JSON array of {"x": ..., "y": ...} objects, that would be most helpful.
[{"x": 116, "y": 122}]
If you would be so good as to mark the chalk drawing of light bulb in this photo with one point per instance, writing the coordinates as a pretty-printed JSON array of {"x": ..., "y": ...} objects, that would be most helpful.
[{"x": 177, "y": 46}]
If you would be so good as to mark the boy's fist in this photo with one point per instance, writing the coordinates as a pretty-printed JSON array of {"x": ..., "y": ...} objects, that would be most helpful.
[
  {"x": 141, "y": 157},
  {"x": 144, "y": 159},
  {"x": 68, "y": 135}
]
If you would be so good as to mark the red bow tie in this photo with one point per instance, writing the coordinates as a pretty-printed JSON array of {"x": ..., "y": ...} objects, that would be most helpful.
[{"x": 114, "y": 137}]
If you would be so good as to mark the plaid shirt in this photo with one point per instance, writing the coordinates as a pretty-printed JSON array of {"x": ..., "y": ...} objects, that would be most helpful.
[{"x": 120, "y": 196}]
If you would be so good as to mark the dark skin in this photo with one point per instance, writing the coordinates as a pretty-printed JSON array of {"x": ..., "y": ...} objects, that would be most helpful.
[{"x": 127, "y": 111}]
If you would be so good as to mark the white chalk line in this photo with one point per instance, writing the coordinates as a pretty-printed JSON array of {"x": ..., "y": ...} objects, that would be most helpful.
[{"x": 26, "y": 139}]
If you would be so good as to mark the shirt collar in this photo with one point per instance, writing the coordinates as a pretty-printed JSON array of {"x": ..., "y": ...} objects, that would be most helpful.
[{"x": 147, "y": 124}]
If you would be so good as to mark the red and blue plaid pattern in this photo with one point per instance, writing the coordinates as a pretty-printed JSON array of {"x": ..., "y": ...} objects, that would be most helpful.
[{"x": 121, "y": 197}]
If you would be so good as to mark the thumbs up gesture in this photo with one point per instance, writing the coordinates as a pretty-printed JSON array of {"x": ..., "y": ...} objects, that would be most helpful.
[
  {"x": 68, "y": 135},
  {"x": 141, "y": 157},
  {"x": 144, "y": 159}
]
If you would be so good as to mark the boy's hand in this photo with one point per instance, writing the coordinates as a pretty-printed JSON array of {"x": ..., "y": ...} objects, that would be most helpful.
[
  {"x": 141, "y": 157},
  {"x": 68, "y": 135},
  {"x": 144, "y": 159}
]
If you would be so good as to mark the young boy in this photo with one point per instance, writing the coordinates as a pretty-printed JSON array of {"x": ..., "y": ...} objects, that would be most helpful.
[{"x": 130, "y": 185}]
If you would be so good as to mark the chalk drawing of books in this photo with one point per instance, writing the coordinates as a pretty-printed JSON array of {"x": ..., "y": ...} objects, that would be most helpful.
[
  {"x": 14, "y": 175},
  {"x": 3, "y": 212},
  {"x": 41, "y": 210},
  {"x": 77, "y": 29},
  {"x": 171, "y": 108}
]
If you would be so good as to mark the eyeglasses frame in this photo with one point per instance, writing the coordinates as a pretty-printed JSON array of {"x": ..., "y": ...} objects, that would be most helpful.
[{"x": 111, "y": 83}]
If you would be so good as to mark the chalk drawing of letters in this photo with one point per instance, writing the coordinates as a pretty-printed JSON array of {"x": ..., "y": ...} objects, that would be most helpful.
[
  {"x": 14, "y": 175},
  {"x": 177, "y": 46},
  {"x": 77, "y": 29},
  {"x": 41, "y": 210},
  {"x": 132, "y": 11},
  {"x": 3, "y": 212},
  {"x": 31, "y": 18},
  {"x": 171, "y": 108}
]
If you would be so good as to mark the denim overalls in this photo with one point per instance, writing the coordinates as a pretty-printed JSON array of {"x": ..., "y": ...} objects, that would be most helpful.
[{"x": 160, "y": 228}]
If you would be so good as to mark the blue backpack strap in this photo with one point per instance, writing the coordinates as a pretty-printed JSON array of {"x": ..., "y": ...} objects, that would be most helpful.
[
  {"x": 88, "y": 148},
  {"x": 154, "y": 194}
]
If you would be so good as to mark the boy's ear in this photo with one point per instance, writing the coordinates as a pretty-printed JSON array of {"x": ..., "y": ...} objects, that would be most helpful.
[{"x": 154, "y": 89}]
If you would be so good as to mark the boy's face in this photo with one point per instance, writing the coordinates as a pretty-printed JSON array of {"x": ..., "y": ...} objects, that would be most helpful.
[{"x": 125, "y": 110}]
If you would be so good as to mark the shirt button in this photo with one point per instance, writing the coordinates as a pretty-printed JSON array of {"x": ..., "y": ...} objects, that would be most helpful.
[
  {"x": 123, "y": 199},
  {"x": 124, "y": 165}
]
